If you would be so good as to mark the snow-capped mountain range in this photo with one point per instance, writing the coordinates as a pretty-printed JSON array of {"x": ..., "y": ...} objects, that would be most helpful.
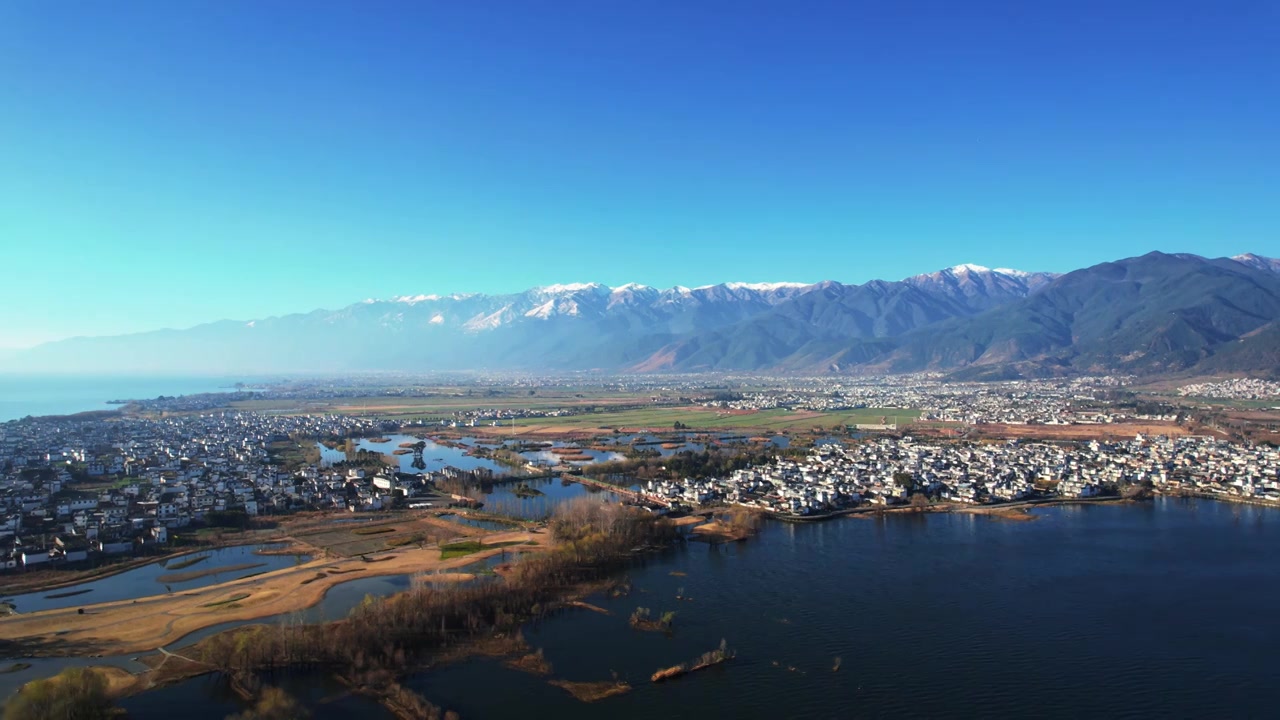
[
  {"x": 473, "y": 312},
  {"x": 805, "y": 327}
]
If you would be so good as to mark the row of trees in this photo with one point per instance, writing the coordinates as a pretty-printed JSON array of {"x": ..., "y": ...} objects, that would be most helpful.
[
  {"x": 396, "y": 632},
  {"x": 707, "y": 463}
]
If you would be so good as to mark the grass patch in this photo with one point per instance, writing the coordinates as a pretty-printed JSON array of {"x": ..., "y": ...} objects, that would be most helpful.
[
  {"x": 592, "y": 691},
  {"x": 233, "y": 599},
  {"x": 414, "y": 539},
  {"x": 70, "y": 593},
  {"x": 534, "y": 663},
  {"x": 698, "y": 418},
  {"x": 188, "y": 562},
  {"x": 16, "y": 667},
  {"x": 467, "y": 547},
  {"x": 372, "y": 530},
  {"x": 181, "y": 577}
]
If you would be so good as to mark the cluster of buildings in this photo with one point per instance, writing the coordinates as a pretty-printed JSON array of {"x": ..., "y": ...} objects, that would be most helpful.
[
  {"x": 497, "y": 416},
  {"x": 890, "y": 471},
  {"x": 927, "y": 397},
  {"x": 70, "y": 489},
  {"x": 1234, "y": 389}
]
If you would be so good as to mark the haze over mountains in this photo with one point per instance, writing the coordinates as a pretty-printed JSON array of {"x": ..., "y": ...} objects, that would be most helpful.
[{"x": 1158, "y": 313}]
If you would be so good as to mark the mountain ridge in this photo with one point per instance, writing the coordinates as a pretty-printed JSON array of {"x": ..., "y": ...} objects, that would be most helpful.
[{"x": 966, "y": 318}]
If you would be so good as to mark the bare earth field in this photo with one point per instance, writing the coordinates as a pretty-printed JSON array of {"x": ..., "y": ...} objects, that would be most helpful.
[
  {"x": 361, "y": 538},
  {"x": 136, "y": 626},
  {"x": 1061, "y": 432}
]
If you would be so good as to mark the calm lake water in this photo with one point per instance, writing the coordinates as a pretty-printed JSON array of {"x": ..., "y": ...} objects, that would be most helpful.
[
  {"x": 1153, "y": 610},
  {"x": 1160, "y": 609},
  {"x": 22, "y": 395}
]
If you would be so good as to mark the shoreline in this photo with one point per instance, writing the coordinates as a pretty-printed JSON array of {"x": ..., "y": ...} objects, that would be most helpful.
[
  {"x": 143, "y": 625},
  {"x": 1234, "y": 499},
  {"x": 960, "y": 508},
  {"x": 120, "y": 568}
]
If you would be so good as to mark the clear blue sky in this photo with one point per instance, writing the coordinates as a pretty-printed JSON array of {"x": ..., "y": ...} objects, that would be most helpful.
[{"x": 167, "y": 163}]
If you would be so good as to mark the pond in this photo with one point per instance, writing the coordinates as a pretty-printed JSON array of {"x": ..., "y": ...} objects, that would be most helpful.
[
  {"x": 501, "y": 498},
  {"x": 340, "y": 599},
  {"x": 157, "y": 578},
  {"x": 434, "y": 455},
  {"x": 549, "y": 458},
  {"x": 481, "y": 523},
  {"x": 687, "y": 441}
]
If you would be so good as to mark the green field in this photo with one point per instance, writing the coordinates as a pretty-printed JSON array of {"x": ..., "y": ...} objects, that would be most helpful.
[
  {"x": 598, "y": 409},
  {"x": 467, "y": 547},
  {"x": 440, "y": 405},
  {"x": 708, "y": 419}
]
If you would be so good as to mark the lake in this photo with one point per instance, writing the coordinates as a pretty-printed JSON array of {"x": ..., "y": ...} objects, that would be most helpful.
[
  {"x": 22, "y": 395},
  {"x": 1153, "y": 609}
]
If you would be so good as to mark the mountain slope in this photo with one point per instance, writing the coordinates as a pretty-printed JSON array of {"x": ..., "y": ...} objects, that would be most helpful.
[
  {"x": 1155, "y": 313},
  {"x": 805, "y": 332},
  {"x": 1257, "y": 262}
]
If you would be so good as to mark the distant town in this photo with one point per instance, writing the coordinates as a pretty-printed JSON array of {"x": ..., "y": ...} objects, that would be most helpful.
[
  {"x": 84, "y": 487},
  {"x": 886, "y": 472}
]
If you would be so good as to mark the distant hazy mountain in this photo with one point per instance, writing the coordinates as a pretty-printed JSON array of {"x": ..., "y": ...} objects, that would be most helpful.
[{"x": 1154, "y": 313}]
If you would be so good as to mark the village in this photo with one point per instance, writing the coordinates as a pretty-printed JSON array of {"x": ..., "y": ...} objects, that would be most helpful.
[
  {"x": 1233, "y": 389},
  {"x": 77, "y": 490},
  {"x": 927, "y": 397},
  {"x": 835, "y": 478}
]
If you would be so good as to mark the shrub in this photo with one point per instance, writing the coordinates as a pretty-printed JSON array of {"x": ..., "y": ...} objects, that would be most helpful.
[{"x": 75, "y": 694}]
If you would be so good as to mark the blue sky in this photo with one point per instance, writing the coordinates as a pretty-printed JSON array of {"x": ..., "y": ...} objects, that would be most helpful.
[{"x": 170, "y": 163}]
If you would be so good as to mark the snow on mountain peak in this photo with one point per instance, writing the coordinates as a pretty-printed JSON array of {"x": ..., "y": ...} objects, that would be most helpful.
[
  {"x": 544, "y": 311},
  {"x": 568, "y": 288},
  {"x": 1258, "y": 262},
  {"x": 414, "y": 299},
  {"x": 490, "y": 321},
  {"x": 757, "y": 287},
  {"x": 1013, "y": 273},
  {"x": 969, "y": 267},
  {"x": 630, "y": 287}
]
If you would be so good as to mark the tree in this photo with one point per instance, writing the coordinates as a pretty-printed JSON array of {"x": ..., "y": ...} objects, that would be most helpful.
[
  {"x": 905, "y": 479},
  {"x": 273, "y": 704},
  {"x": 919, "y": 501},
  {"x": 74, "y": 694}
]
